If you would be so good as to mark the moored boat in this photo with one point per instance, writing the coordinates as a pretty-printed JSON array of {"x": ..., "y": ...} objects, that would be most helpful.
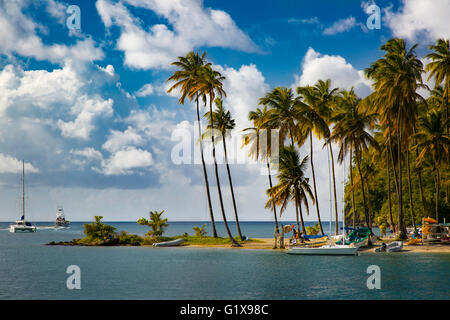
[
  {"x": 324, "y": 250},
  {"x": 22, "y": 224}
]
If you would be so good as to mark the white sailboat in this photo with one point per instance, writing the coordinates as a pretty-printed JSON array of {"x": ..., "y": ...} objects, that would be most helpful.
[
  {"x": 331, "y": 248},
  {"x": 22, "y": 224}
]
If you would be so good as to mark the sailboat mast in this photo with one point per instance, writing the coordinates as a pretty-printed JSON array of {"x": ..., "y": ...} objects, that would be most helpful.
[{"x": 23, "y": 189}]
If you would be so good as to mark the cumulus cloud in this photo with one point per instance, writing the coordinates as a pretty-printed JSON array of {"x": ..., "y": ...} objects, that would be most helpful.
[
  {"x": 9, "y": 164},
  {"x": 124, "y": 161},
  {"x": 118, "y": 139},
  {"x": 190, "y": 25},
  {"x": 18, "y": 36},
  {"x": 419, "y": 19},
  {"x": 342, "y": 25},
  {"x": 316, "y": 66}
]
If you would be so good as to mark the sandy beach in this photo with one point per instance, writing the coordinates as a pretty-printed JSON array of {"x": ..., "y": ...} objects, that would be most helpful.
[{"x": 267, "y": 243}]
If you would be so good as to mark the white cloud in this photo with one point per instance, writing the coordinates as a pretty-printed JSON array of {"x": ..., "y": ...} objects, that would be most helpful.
[
  {"x": 191, "y": 26},
  {"x": 18, "y": 35},
  {"x": 145, "y": 90},
  {"x": 342, "y": 25},
  {"x": 244, "y": 87},
  {"x": 124, "y": 161},
  {"x": 417, "y": 19},
  {"x": 118, "y": 139},
  {"x": 9, "y": 164},
  {"x": 316, "y": 66},
  {"x": 109, "y": 69},
  {"x": 86, "y": 111}
]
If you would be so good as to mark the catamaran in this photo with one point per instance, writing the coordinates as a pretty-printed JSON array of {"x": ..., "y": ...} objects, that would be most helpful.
[
  {"x": 329, "y": 249},
  {"x": 22, "y": 224}
]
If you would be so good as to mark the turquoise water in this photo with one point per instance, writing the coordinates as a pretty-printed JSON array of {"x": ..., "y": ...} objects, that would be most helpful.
[{"x": 30, "y": 270}]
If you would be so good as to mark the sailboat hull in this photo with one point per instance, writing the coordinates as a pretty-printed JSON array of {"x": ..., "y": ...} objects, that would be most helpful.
[
  {"x": 16, "y": 228},
  {"x": 324, "y": 250}
]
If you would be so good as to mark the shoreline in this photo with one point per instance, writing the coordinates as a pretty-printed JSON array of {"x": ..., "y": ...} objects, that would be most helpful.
[{"x": 267, "y": 244}]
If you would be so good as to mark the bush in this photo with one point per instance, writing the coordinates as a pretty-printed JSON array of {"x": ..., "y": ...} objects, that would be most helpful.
[
  {"x": 200, "y": 232},
  {"x": 130, "y": 239},
  {"x": 98, "y": 231}
]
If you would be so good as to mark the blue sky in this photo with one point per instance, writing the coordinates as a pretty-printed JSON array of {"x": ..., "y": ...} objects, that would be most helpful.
[{"x": 89, "y": 112}]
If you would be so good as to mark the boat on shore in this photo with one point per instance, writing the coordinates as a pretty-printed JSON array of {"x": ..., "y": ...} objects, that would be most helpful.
[
  {"x": 22, "y": 225},
  {"x": 338, "y": 250},
  {"x": 172, "y": 243}
]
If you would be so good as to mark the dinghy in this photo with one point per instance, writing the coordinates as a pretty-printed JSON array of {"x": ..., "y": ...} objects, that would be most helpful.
[
  {"x": 172, "y": 243},
  {"x": 395, "y": 246}
]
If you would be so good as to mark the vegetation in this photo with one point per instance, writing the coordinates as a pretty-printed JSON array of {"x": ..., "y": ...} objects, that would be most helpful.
[
  {"x": 314, "y": 230},
  {"x": 97, "y": 231},
  {"x": 395, "y": 140},
  {"x": 156, "y": 224},
  {"x": 200, "y": 231}
]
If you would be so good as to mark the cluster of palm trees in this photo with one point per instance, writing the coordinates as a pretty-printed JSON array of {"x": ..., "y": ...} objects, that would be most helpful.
[
  {"x": 196, "y": 80},
  {"x": 394, "y": 131}
]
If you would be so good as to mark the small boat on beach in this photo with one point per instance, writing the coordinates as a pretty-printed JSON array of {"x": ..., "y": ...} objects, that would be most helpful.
[
  {"x": 339, "y": 250},
  {"x": 172, "y": 243},
  {"x": 22, "y": 224},
  {"x": 395, "y": 246}
]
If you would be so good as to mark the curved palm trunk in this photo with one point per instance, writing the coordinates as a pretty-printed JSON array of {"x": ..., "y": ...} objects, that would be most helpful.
[
  {"x": 216, "y": 171},
  {"x": 351, "y": 183},
  {"x": 336, "y": 227},
  {"x": 411, "y": 204},
  {"x": 391, "y": 220},
  {"x": 314, "y": 182},
  {"x": 231, "y": 188},
  {"x": 205, "y": 175},
  {"x": 274, "y": 206},
  {"x": 401, "y": 221}
]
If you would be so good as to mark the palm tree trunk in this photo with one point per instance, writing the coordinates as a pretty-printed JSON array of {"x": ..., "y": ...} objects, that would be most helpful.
[
  {"x": 336, "y": 227},
  {"x": 231, "y": 187},
  {"x": 314, "y": 182},
  {"x": 351, "y": 183},
  {"x": 411, "y": 204},
  {"x": 216, "y": 171},
  {"x": 299, "y": 205},
  {"x": 437, "y": 193},
  {"x": 391, "y": 220},
  {"x": 401, "y": 221},
  {"x": 274, "y": 206},
  {"x": 205, "y": 175},
  {"x": 391, "y": 152},
  {"x": 419, "y": 176},
  {"x": 366, "y": 214}
]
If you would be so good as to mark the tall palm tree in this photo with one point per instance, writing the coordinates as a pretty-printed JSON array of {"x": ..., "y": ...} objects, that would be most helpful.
[
  {"x": 350, "y": 132},
  {"x": 435, "y": 143},
  {"x": 260, "y": 141},
  {"x": 283, "y": 115},
  {"x": 222, "y": 122},
  {"x": 209, "y": 84},
  {"x": 397, "y": 76},
  {"x": 292, "y": 183},
  {"x": 439, "y": 68},
  {"x": 189, "y": 69}
]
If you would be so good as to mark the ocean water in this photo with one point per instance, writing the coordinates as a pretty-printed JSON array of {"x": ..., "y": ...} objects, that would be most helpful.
[{"x": 31, "y": 270}]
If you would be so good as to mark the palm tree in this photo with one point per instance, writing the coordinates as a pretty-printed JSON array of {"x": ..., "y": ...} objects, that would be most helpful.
[
  {"x": 351, "y": 122},
  {"x": 292, "y": 183},
  {"x": 439, "y": 68},
  {"x": 256, "y": 138},
  {"x": 156, "y": 224},
  {"x": 316, "y": 115},
  {"x": 435, "y": 143},
  {"x": 397, "y": 76},
  {"x": 209, "y": 84},
  {"x": 222, "y": 122},
  {"x": 283, "y": 115},
  {"x": 189, "y": 69}
]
